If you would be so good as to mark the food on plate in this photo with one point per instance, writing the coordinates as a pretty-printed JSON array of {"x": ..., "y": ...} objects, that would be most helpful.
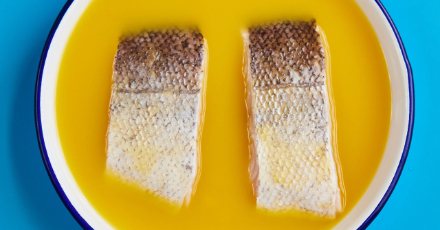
[
  {"x": 156, "y": 112},
  {"x": 292, "y": 159}
]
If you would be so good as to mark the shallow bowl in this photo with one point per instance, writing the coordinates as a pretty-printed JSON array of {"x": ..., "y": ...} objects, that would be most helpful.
[{"x": 372, "y": 202}]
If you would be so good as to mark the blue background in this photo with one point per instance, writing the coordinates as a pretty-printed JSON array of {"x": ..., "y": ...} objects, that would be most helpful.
[{"x": 28, "y": 200}]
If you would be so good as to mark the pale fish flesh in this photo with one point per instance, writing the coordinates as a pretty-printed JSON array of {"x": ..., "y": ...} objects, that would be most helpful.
[
  {"x": 290, "y": 128},
  {"x": 156, "y": 112}
]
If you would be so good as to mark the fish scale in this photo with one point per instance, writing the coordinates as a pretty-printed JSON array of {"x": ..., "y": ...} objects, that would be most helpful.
[
  {"x": 292, "y": 163},
  {"x": 156, "y": 112}
]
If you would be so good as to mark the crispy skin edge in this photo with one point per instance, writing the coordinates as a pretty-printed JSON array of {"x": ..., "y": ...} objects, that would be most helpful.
[
  {"x": 253, "y": 164},
  {"x": 200, "y": 124}
]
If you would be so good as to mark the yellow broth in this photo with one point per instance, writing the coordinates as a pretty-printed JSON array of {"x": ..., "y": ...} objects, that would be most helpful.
[{"x": 224, "y": 199}]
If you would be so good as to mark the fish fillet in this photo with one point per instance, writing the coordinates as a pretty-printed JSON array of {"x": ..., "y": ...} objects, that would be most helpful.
[
  {"x": 292, "y": 163},
  {"x": 156, "y": 112}
]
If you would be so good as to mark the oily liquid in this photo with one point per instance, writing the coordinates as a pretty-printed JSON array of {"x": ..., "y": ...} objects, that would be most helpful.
[{"x": 224, "y": 199}]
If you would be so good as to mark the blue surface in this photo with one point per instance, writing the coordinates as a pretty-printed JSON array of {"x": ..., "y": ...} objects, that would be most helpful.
[{"x": 28, "y": 200}]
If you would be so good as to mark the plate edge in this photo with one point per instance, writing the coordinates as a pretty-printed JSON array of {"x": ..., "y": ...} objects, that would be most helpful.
[
  {"x": 85, "y": 225},
  {"x": 409, "y": 132},
  {"x": 81, "y": 221}
]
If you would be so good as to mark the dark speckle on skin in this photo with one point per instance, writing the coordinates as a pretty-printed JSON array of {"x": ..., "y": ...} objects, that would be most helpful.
[
  {"x": 277, "y": 50},
  {"x": 156, "y": 61}
]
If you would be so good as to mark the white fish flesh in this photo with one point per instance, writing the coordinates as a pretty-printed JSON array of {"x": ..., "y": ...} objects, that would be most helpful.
[
  {"x": 292, "y": 163},
  {"x": 156, "y": 112}
]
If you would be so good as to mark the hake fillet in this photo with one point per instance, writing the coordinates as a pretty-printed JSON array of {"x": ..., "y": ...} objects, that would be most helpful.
[
  {"x": 292, "y": 164},
  {"x": 156, "y": 112}
]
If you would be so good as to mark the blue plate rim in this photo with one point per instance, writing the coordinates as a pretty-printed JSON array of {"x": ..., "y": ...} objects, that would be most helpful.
[{"x": 83, "y": 223}]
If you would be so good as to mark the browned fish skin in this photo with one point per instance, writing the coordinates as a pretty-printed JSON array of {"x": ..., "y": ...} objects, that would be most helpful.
[
  {"x": 290, "y": 128},
  {"x": 155, "y": 112},
  {"x": 286, "y": 54},
  {"x": 160, "y": 61}
]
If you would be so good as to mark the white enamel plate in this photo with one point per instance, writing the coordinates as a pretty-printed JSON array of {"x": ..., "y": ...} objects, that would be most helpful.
[{"x": 360, "y": 217}]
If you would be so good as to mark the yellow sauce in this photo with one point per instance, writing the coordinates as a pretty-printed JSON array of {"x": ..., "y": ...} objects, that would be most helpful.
[{"x": 224, "y": 199}]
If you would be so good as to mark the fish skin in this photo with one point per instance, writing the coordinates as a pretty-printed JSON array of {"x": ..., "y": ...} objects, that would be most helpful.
[
  {"x": 292, "y": 164},
  {"x": 155, "y": 114}
]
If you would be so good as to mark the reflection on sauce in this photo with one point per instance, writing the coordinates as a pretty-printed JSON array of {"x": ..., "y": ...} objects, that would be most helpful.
[{"x": 224, "y": 199}]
